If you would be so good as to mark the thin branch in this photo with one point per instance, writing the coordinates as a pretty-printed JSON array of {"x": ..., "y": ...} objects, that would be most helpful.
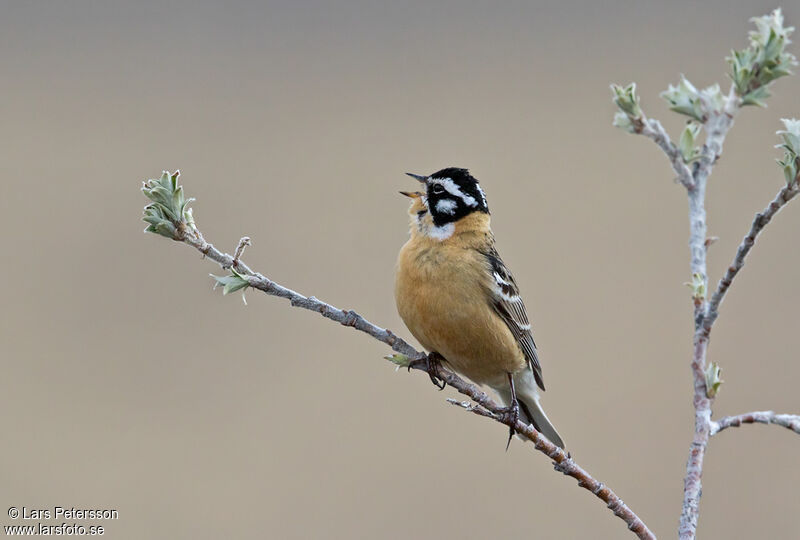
[
  {"x": 652, "y": 129},
  {"x": 786, "y": 194},
  {"x": 562, "y": 462},
  {"x": 258, "y": 281},
  {"x": 243, "y": 243},
  {"x": 692, "y": 481},
  {"x": 485, "y": 406},
  {"x": 717, "y": 124},
  {"x": 789, "y": 421}
]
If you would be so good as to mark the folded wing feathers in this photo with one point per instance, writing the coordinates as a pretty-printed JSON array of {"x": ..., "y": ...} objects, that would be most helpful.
[{"x": 509, "y": 305}]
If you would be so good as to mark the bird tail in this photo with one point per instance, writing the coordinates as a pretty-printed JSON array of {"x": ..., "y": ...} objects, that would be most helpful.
[{"x": 530, "y": 410}]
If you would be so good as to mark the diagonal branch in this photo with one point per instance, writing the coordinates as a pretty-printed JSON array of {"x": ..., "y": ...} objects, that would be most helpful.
[
  {"x": 184, "y": 230},
  {"x": 789, "y": 421},
  {"x": 786, "y": 194},
  {"x": 260, "y": 282},
  {"x": 562, "y": 461},
  {"x": 652, "y": 129},
  {"x": 632, "y": 119}
]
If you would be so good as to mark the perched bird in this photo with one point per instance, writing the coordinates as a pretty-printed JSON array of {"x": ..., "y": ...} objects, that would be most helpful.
[{"x": 459, "y": 300}]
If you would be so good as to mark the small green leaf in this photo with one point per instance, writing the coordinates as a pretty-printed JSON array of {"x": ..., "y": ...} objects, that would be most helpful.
[
  {"x": 789, "y": 173},
  {"x": 622, "y": 121},
  {"x": 713, "y": 380},
  {"x": 756, "y": 97},
  {"x": 712, "y": 99},
  {"x": 400, "y": 360},
  {"x": 231, "y": 283},
  {"x": 626, "y": 99},
  {"x": 698, "y": 287},
  {"x": 686, "y": 144},
  {"x": 684, "y": 99},
  {"x": 790, "y": 144},
  {"x": 791, "y": 134},
  {"x": 187, "y": 214},
  {"x": 164, "y": 228}
]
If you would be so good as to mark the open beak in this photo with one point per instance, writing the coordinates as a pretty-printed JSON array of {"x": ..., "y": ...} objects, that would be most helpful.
[
  {"x": 419, "y": 177},
  {"x": 415, "y": 194}
]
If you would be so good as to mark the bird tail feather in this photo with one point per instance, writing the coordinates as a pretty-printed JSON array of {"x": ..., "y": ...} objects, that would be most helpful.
[{"x": 530, "y": 410}]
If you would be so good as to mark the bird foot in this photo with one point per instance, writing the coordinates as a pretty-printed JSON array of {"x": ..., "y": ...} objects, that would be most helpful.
[
  {"x": 429, "y": 365},
  {"x": 510, "y": 416}
]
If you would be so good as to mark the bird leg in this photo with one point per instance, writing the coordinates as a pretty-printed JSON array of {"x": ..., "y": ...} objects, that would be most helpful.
[
  {"x": 511, "y": 412},
  {"x": 429, "y": 365}
]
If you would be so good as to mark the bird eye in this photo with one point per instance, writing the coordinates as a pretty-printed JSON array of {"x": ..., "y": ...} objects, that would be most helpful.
[{"x": 437, "y": 188}]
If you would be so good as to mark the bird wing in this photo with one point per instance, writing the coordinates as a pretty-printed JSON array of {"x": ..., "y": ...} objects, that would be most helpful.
[{"x": 508, "y": 304}]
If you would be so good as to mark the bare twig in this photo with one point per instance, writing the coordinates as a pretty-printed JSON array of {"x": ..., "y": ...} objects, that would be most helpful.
[
  {"x": 243, "y": 243},
  {"x": 483, "y": 404},
  {"x": 692, "y": 486},
  {"x": 789, "y": 421},
  {"x": 786, "y": 194}
]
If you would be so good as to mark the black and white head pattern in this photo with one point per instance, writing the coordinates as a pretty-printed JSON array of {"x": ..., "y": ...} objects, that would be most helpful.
[{"x": 453, "y": 193}]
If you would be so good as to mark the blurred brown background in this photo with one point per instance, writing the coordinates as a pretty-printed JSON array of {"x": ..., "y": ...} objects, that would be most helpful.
[{"x": 127, "y": 383}]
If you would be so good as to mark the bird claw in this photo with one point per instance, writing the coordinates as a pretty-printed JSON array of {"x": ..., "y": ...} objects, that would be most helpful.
[
  {"x": 510, "y": 415},
  {"x": 429, "y": 365}
]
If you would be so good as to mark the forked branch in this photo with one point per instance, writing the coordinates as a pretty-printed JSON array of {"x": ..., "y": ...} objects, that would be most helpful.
[{"x": 753, "y": 70}]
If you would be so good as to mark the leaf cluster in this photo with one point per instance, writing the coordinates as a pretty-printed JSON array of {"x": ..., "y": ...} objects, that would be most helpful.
[
  {"x": 763, "y": 61},
  {"x": 169, "y": 209},
  {"x": 697, "y": 104},
  {"x": 629, "y": 116}
]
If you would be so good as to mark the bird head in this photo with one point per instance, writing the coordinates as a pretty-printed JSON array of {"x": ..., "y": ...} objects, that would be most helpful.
[{"x": 449, "y": 195}]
